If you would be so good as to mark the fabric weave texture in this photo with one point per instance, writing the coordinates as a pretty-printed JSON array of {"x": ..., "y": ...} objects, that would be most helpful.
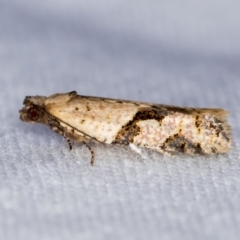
[{"x": 184, "y": 53}]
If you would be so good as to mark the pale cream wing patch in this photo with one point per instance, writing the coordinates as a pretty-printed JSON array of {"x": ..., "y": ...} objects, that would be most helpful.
[{"x": 99, "y": 119}]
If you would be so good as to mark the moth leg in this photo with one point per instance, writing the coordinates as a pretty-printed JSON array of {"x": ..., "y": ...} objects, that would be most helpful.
[
  {"x": 137, "y": 150},
  {"x": 92, "y": 152},
  {"x": 70, "y": 143},
  {"x": 56, "y": 127}
]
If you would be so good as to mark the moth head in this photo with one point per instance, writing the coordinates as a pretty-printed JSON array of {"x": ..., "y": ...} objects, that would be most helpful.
[
  {"x": 31, "y": 114},
  {"x": 33, "y": 111}
]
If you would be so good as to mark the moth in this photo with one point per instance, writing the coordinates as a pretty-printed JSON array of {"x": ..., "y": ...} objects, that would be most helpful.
[{"x": 163, "y": 128}]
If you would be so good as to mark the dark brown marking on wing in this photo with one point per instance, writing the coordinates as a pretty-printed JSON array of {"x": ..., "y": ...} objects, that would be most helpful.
[
  {"x": 178, "y": 143},
  {"x": 88, "y": 107},
  {"x": 217, "y": 126},
  {"x": 130, "y": 130},
  {"x": 197, "y": 121},
  {"x": 168, "y": 109}
]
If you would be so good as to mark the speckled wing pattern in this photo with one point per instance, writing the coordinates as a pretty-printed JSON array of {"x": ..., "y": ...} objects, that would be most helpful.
[{"x": 167, "y": 129}]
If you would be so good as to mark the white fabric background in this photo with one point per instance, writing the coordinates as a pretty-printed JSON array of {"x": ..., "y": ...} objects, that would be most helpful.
[{"x": 172, "y": 52}]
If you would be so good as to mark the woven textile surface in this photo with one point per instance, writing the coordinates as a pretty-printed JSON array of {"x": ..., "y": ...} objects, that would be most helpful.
[{"x": 184, "y": 53}]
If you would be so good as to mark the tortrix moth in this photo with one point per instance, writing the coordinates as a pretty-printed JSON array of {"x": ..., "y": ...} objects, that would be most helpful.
[{"x": 166, "y": 129}]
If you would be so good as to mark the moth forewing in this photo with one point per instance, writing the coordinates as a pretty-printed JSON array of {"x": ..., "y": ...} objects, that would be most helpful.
[
  {"x": 166, "y": 129},
  {"x": 99, "y": 119}
]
